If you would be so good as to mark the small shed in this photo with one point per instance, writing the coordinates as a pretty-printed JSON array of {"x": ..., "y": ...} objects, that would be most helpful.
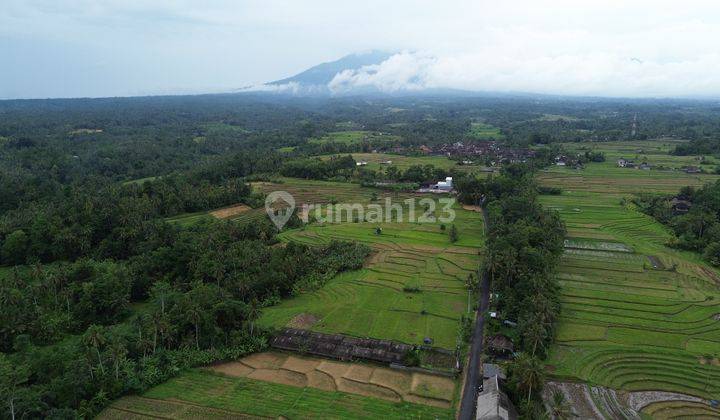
[{"x": 500, "y": 345}]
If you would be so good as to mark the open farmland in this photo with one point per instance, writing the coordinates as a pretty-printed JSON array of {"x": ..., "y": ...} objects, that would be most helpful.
[
  {"x": 654, "y": 152},
  {"x": 201, "y": 393},
  {"x": 354, "y": 137},
  {"x": 232, "y": 212},
  {"x": 639, "y": 315},
  {"x": 413, "y": 287},
  {"x": 375, "y": 161},
  {"x": 606, "y": 177},
  {"x": 355, "y": 378},
  {"x": 484, "y": 131}
]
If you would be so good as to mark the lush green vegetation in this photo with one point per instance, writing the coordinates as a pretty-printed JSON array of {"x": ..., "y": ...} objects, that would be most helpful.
[
  {"x": 113, "y": 278},
  {"x": 522, "y": 251},
  {"x": 242, "y": 396},
  {"x": 696, "y": 229}
]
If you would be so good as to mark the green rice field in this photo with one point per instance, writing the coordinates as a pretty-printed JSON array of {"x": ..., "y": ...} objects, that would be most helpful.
[
  {"x": 484, "y": 131},
  {"x": 375, "y": 161},
  {"x": 353, "y": 137},
  {"x": 636, "y": 315},
  {"x": 413, "y": 287},
  {"x": 373, "y": 302},
  {"x": 202, "y": 394}
]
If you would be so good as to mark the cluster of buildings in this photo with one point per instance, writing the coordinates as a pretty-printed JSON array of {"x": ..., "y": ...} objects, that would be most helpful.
[
  {"x": 625, "y": 163},
  {"x": 562, "y": 160},
  {"x": 490, "y": 150}
]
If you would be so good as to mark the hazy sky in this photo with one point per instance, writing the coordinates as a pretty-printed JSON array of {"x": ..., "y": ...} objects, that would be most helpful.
[{"x": 71, "y": 48}]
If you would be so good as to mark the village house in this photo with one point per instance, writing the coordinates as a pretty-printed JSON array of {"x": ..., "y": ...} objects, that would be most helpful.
[
  {"x": 493, "y": 404},
  {"x": 679, "y": 206},
  {"x": 500, "y": 345},
  {"x": 361, "y": 163},
  {"x": 426, "y": 150},
  {"x": 644, "y": 166},
  {"x": 692, "y": 170}
]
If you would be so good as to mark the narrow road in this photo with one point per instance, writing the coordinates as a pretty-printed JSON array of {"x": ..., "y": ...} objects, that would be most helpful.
[{"x": 473, "y": 378}]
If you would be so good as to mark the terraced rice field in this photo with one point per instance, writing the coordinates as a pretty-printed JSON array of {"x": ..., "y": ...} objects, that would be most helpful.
[
  {"x": 625, "y": 324},
  {"x": 355, "y": 378},
  {"x": 608, "y": 178},
  {"x": 202, "y": 394},
  {"x": 681, "y": 410},
  {"x": 412, "y": 288}
]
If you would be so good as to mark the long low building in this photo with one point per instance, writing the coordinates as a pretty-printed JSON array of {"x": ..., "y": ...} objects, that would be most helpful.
[{"x": 493, "y": 404}]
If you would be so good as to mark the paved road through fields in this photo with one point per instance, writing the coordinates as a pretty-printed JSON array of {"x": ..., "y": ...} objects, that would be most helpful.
[{"x": 473, "y": 378}]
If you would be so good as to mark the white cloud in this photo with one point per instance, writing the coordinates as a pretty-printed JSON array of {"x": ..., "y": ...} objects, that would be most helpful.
[
  {"x": 553, "y": 46},
  {"x": 596, "y": 74}
]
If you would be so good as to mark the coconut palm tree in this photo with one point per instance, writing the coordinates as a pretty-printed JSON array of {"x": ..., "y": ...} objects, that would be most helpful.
[
  {"x": 195, "y": 315},
  {"x": 95, "y": 338},
  {"x": 253, "y": 314},
  {"x": 560, "y": 408},
  {"x": 528, "y": 373},
  {"x": 118, "y": 351}
]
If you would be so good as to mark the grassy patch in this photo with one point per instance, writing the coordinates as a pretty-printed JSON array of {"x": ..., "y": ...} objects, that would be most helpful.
[
  {"x": 482, "y": 131},
  {"x": 353, "y": 137}
]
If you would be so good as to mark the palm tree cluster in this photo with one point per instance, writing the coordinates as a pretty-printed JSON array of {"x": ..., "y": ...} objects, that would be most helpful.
[{"x": 523, "y": 249}]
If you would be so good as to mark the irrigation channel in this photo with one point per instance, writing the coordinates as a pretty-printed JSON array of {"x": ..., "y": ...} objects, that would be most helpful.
[{"x": 473, "y": 378}]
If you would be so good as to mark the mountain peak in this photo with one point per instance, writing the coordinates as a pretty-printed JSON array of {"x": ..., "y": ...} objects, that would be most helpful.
[{"x": 322, "y": 74}]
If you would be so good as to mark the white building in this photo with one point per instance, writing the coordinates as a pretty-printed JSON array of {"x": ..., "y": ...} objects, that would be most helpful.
[{"x": 446, "y": 185}]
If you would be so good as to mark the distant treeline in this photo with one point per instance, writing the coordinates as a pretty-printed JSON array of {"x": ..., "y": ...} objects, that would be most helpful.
[
  {"x": 46, "y": 145},
  {"x": 703, "y": 146}
]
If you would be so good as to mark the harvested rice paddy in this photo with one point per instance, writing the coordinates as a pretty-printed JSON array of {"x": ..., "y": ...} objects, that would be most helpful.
[{"x": 362, "y": 379}]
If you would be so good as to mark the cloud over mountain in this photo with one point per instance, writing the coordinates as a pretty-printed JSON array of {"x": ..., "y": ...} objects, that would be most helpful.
[{"x": 602, "y": 74}]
